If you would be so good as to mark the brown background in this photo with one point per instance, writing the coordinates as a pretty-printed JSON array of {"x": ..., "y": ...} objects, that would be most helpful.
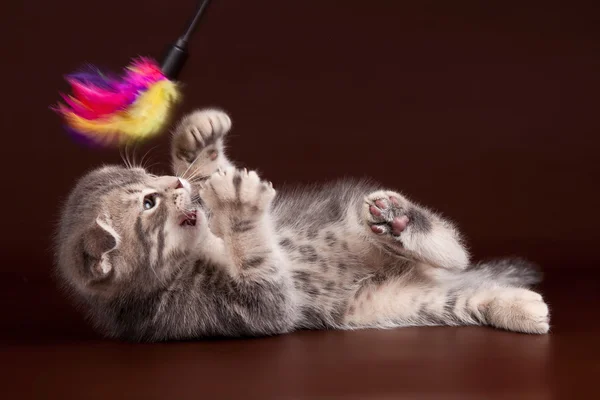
[{"x": 486, "y": 111}]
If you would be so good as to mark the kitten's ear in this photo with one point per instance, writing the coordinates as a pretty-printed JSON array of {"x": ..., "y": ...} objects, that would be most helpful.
[{"x": 98, "y": 240}]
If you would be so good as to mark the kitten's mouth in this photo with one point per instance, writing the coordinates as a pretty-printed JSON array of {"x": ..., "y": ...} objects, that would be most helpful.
[{"x": 189, "y": 219}]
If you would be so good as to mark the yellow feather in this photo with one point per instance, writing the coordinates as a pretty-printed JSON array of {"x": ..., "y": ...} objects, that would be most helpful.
[{"x": 144, "y": 118}]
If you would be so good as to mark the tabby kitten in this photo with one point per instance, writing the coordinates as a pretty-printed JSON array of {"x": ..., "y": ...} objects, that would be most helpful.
[{"x": 219, "y": 254}]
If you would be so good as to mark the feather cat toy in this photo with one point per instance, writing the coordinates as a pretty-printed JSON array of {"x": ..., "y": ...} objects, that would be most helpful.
[{"x": 113, "y": 110}]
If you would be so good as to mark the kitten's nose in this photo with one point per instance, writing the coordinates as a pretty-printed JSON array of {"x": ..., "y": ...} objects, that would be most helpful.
[{"x": 178, "y": 184}]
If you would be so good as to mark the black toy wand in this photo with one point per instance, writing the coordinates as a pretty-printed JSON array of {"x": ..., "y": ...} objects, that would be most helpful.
[{"x": 108, "y": 110}]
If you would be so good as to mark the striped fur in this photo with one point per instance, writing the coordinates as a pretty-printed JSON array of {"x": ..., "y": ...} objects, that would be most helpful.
[{"x": 345, "y": 255}]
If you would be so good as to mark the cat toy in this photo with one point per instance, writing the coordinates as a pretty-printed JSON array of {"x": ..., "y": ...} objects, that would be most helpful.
[{"x": 107, "y": 109}]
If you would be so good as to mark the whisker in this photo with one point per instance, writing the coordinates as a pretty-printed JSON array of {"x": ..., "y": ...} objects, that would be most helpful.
[
  {"x": 149, "y": 167},
  {"x": 122, "y": 158},
  {"x": 132, "y": 160},
  {"x": 127, "y": 159},
  {"x": 122, "y": 155},
  {"x": 197, "y": 174},
  {"x": 149, "y": 158},
  {"x": 190, "y": 166},
  {"x": 134, "y": 163},
  {"x": 183, "y": 176},
  {"x": 198, "y": 178}
]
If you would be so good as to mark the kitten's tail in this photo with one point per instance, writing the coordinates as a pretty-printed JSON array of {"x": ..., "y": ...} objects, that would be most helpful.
[{"x": 515, "y": 272}]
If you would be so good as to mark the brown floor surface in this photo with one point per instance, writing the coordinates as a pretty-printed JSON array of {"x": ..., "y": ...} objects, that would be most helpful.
[{"x": 48, "y": 352}]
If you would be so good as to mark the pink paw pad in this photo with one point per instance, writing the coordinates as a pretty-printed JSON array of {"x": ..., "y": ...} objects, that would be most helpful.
[
  {"x": 399, "y": 224},
  {"x": 375, "y": 211}
]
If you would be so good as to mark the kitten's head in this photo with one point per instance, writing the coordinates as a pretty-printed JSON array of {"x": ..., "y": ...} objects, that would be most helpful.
[{"x": 123, "y": 229}]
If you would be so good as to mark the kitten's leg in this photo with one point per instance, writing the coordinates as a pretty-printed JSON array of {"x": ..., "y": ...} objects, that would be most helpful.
[
  {"x": 241, "y": 266},
  {"x": 197, "y": 146},
  {"x": 408, "y": 230},
  {"x": 239, "y": 204},
  {"x": 402, "y": 301}
]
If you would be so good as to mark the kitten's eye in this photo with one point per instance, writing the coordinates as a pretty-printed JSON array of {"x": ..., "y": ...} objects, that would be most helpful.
[{"x": 149, "y": 201}]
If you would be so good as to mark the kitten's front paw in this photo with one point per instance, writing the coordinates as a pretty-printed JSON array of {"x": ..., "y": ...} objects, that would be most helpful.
[
  {"x": 237, "y": 189},
  {"x": 519, "y": 310},
  {"x": 197, "y": 135},
  {"x": 386, "y": 213}
]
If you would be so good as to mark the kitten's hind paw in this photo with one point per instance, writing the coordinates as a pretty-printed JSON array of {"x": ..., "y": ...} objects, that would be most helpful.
[
  {"x": 395, "y": 222},
  {"x": 519, "y": 310},
  {"x": 386, "y": 213}
]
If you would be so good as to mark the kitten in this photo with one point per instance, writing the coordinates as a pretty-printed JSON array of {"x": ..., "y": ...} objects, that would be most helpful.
[{"x": 213, "y": 251}]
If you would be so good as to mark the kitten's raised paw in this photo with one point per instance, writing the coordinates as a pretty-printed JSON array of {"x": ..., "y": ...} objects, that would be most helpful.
[
  {"x": 241, "y": 189},
  {"x": 198, "y": 133},
  {"x": 519, "y": 310},
  {"x": 386, "y": 213}
]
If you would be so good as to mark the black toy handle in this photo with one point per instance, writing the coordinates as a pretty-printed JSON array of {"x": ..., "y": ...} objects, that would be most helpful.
[{"x": 177, "y": 53}]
